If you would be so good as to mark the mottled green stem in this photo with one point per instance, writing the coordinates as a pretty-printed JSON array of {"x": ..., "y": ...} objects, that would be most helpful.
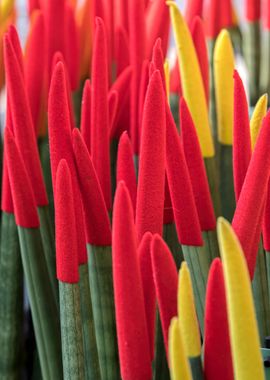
[
  {"x": 170, "y": 237},
  {"x": 226, "y": 185}
]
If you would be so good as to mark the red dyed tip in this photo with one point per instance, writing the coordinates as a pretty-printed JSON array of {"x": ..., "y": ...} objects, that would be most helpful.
[
  {"x": 121, "y": 14},
  {"x": 65, "y": 235},
  {"x": 55, "y": 25},
  {"x": 196, "y": 169},
  {"x": 184, "y": 207},
  {"x": 198, "y": 36},
  {"x": 241, "y": 135},
  {"x": 113, "y": 99},
  {"x": 253, "y": 10},
  {"x": 35, "y": 69},
  {"x": 143, "y": 88},
  {"x": 193, "y": 10},
  {"x": 125, "y": 167},
  {"x": 97, "y": 222},
  {"x": 158, "y": 60},
  {"x": 22, "y": 123},
  {"x": 61, "y": 147},
  {"x": 151, "y": 182},
  {"x": 122, "y": 86},
  {"x": 58, "y": 57},
  {"x": 121, "y": 50},
  {"x": 22, "y": 193},
  {"x": 6, "y": 197},
  {"x": 133, "y": 345},
  {"x": 33, "y": 5},
  {"x": 247, "y": 221},
  {"x": 86, "y": 114},
  {"x": 218, "y": 15},
  {"x": 266, "y": 223},
  {"x": 144, "y": 254},
  {"x": 217, "y": 356},
  {"x": 72, "y": 46},
  {"x": 165, "y": 280},
  {"x": 100, "y": 149},
  {"x": 16, "y": 45},
  {"x": 175, "y": 80},
  {"x": 266, "y": 15},
  {"x": 137, "y": 54},
  {"x": 157, "y": 26}
]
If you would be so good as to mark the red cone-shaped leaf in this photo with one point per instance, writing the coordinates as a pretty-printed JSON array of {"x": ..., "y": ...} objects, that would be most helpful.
[
  {"x": 134, "y": 353},
  {"x": 72, "y": 47},
  {"x": 193, "y": 9},
  {"x": 121, "y": 50},
  {"x": 137, "y": 54},
  {"x": 15, "y": 42},
  {"x": 165, "y": 280},
  {"x": 198, "y": 36},
  {"x": 247, "y": 220},
  {"x": 61, "y": 147},
  {"x": 253, "y": 10},
  {"x": 184, "y": 207},
  {"x": 151, "y": 182},
  {"x": 144, "y": 253},
  {"x": 125, "y": 167},
  {"x": 97, "y": 222},
  {"x": 113, "y": 99},
  {"x": 157, "y": 26},
  {"x": 65, "y": 229},
  {"x": 100, "y": 150},
  {"x": 217, "y": 355},
  {"x": 196, "y": 169},
  {"x": 35, "y": 69},
  {"x": 22, "y": 193},
  {"x": 22, "y": 123},
  {"x": 86, "y": 114},
  {"x": 241, "y": 135}
]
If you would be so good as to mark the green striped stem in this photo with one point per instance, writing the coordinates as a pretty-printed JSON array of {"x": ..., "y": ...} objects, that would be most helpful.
[
  {"x": 236, "y": 38},
  {"x": 11, "y": 300},
  {"x": 196, "y": 367},
  {"x": 261, "y": 295},
  {"x": 174, "y": 106},
  {"x": 42, "y": 303},
  {"x": 160, "y": 364},
  {"x": 170, "y": 237},
  {"x": 211, "y": 171},
  {"x": 265, "y": 65},
  {"x": 198, "y": 263},
  {"x": 91, "y": 363},
  {"x": 48, "y": 243},
  {"x": 71, "y": 331},
  {"x": 101, "y": 287},
  {"x": 211, "y": 244},
  {"x": 253, "y": 57},
  {"x": 226, "y": 186}
]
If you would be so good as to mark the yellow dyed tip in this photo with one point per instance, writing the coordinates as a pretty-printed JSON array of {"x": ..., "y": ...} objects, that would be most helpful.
[
  {"x": 191, "y": 80},
  {"x": 6, "y": 8},
  {"x": 223, "y": 71},
  {"x": 179, "y": 365},
  {"x": 247, "y": 360},
  {"x": 257, "y": 118},
  {"x": 187, "y": 313},
  {"x": 167, "y": 77}
]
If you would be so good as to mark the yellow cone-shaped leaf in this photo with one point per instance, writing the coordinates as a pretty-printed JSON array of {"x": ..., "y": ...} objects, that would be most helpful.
[
  {"x": 187, "y": 314},
  {"x": 247, "y": 360},
  {"x": 179, "y": 365},
  {"x": 167, "y": 76},
  {"x": 257, "y": 118},
  {"x": 223, "y": 70},
  {"x": 6, "y": 8},
  {"x": 191, "y": 80}
]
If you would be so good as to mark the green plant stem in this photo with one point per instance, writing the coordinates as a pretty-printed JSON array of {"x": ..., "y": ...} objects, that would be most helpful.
[
  {"x": 71, "y": 331},
  {"x": 211, "y": 171},
  {"x": 170, "y": 237},
  {"x": 101, "y": 287},
  {"x": 196, "y": 367},
  {"x": 11, "y": 304},
  {"x": 226, "y": 186},
  {"x": 48, "y": 243},
  {"x": 42, "y": 303},
  {"x": 265, "y": 67},
  {"x": 160, "y": 365},
  {"x": 261, "y": 295},
  {"x": 91, "y": 363},
  {"x": 253, "y": 57}
]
